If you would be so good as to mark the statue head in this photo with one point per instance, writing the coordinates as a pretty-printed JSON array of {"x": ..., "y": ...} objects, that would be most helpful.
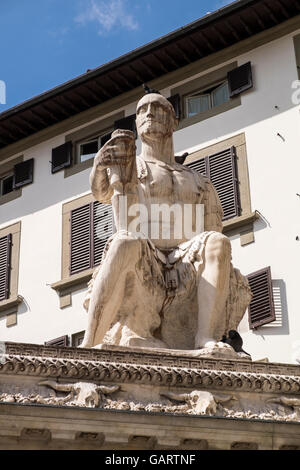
[{"x": 155, "y": 117}]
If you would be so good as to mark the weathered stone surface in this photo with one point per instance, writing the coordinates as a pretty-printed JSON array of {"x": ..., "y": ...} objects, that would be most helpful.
[{"x": 146, "y": 388}]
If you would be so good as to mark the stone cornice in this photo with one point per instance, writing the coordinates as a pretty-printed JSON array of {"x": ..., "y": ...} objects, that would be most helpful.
[{"x": 121, "y": 365}]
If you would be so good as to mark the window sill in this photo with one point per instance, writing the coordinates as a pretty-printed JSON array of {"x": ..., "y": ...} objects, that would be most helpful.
[
  {"x": 189, "y": 121},
  {"x": 72, "y": 282},
  {"x": 239, "y": 222},
  {"x": 78, "y": 167},
  {"x": 10, "y": 196},
  {"x": 7, "y": 305},
  {"x": 67, "y": 286}
]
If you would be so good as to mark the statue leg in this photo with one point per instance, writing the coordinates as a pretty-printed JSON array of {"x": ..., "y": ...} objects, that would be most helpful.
[
  {"x": 127, "y": 296},
  {"x": 109, "y": 286},
  {"x": 213, "y": 290}
]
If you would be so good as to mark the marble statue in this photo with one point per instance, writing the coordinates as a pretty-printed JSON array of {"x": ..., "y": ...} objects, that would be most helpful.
[{"x": 157, "y": 285}]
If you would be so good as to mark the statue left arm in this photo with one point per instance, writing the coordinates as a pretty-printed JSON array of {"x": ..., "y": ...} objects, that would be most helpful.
[{"x": 213, "y": 209}]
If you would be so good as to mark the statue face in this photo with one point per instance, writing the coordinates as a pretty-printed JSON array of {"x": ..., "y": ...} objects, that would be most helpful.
[{"x": 155, "y": 117}]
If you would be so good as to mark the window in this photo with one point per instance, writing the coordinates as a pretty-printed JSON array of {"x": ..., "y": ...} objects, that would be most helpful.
[
  {"x": 87, "y": 225},
  {"x": 6, "y": 184},
  {"x": 13, "y": 176},
  {"x": 205, "y": 100},
  {"x": 261, "y": 309},
  {"x": 211, "y": 94},
  {"x": 77, "y": 339},
  {"x": 80, "y": 148},
  {"x": 91, "y": 226},
  {"x": 9, "y": 269},
  {"x": 87, "y": 150},
  {"x": 5, "y": 253}
]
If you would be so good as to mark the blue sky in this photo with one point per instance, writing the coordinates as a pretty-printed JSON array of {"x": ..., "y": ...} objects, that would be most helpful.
[{"x": 47, "y": 42}]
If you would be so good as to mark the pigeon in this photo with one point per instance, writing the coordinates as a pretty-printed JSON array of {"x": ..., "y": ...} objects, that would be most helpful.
[
  {"x": 181, "y": 159},
  {"x": 149, "y": 90},
  {"x": 235, "y": 341}
]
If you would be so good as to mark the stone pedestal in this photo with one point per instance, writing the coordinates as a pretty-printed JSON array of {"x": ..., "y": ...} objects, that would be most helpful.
[{"x": 121, "y": 398}]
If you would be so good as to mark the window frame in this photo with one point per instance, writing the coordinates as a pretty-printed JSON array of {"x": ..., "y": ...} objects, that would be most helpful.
[
  {"x": 10, "y": 174},
  {"x": 98, "y": 137},
  {"x": 7, "y": 169},
  {"x": 204, "y": 92},
  {"x": 71, "y": 283}
]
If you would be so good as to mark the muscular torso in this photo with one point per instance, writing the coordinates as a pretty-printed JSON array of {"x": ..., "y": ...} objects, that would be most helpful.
[{"x": 176, "y": 187}]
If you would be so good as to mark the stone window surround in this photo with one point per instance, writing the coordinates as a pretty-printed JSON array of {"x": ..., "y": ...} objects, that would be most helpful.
[
  {"x": 200, "y": 84},
  {"x": 5, "y": 169},
  {"x": 242, "y": 224},
  {"x": 87, "y": 132},
  {"x": 69, "y": 284},
  {"x": 9, "y": 307}
]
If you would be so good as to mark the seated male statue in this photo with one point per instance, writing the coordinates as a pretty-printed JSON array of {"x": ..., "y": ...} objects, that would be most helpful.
[{"x": 174, "y": 291}]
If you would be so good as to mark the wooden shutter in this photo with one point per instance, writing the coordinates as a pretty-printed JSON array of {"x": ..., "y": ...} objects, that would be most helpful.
[
  {"x": 5, "y": 256},
  {"x": 61, "y": 157},
  {"x": 223, "y": 175},
  {"x": 220, "y": 168},
  {"x": 23, "y": 173},
  {"x": 63, "y": 341},
  {"x": 102, "y": 229},
  {"x": 175, "y": 102},
  {"x": 199, "y": 165},
  {"x": 81, "y": 246},
  {"x": 127, "y": 123},
  {"x": 261, "y": 309},
  {"x": 240, "y": 79},
  {"x": 91, "y": 226},
  {"x": 105, "y": 138}
]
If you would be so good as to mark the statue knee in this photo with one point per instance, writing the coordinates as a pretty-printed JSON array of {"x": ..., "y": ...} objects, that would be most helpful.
[{"x": 218, "y": 249}]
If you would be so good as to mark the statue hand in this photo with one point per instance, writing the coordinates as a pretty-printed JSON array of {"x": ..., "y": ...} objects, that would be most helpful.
[{"x": 118, "y": 151}]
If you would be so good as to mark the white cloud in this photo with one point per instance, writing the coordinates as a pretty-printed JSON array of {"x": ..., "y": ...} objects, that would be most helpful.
[{"x": 108, "y": 14}]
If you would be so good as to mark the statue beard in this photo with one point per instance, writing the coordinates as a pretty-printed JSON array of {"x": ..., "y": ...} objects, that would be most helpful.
[{"x": 150, "y": 134}]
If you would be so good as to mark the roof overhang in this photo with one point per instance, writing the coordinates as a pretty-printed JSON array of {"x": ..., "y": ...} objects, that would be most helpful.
[{"x": 208, "y": 35}]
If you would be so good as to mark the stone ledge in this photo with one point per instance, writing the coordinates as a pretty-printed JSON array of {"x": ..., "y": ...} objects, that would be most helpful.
[
  {"x": 6, "y": 305},
  {"x": 139, "y": 356},
  {"x": 63, "y": 285},
  {"x": 140, "y": 381},
  {"x": 239, "y": 222}
]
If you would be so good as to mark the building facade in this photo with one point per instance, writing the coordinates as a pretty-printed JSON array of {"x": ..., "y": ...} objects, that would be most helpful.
[{"x": 232, "y": 77}]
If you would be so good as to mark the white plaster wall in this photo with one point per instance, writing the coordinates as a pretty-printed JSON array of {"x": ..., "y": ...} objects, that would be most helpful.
[{"x": 274, "y": 170}]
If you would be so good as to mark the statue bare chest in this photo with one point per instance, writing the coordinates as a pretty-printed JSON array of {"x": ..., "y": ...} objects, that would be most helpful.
[{"x": 170, "y": 185}]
